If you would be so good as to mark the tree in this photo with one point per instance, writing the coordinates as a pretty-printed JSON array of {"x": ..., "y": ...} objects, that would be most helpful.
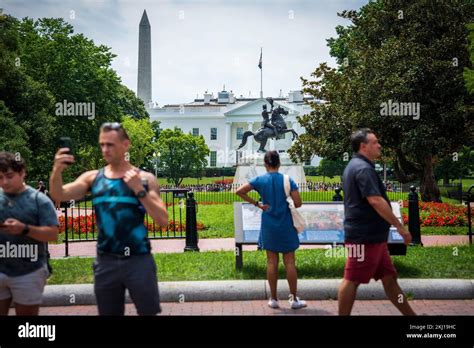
[
  {"x": 27, "y": 127},
  {"x": 141, "y": 137},
  {"x": 456, "y": 165},
  {"x": 331, "y": 168},
  {"x": 12, "y": 137},
  {"x": 181, "y": 154},
  {"x": 469, "y": 72},
  {"x": 43, "y": 64},
  {"x": 402, "y": 52}
]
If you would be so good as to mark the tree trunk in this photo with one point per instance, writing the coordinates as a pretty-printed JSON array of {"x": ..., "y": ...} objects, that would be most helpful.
[
  {"x": 428, "y": 185},
  {"x": 446, "y": 180}
]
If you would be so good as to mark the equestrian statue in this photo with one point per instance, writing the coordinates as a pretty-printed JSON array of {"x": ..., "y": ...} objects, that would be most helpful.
[{"x": 271, "y": 128}]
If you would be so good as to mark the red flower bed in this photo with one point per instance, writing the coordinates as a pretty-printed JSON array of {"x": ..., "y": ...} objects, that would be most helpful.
[
  {"x": 87, "y": 224},
  {"x": 440, "y": 214},
  {"x": 80, "y": 224},
  {"x": 224, "y": 182}
]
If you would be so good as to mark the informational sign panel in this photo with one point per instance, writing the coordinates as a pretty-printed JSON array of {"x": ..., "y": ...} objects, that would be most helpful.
[{"x": 324, "y": 223}]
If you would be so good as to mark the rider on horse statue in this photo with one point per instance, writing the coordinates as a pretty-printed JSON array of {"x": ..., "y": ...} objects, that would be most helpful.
[
  {"x": 272, "y": 127},
  {"x": 266, "y": 118}
]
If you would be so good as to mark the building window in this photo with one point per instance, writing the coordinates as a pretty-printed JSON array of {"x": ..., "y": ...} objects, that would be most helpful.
[
  {"x": 240, "y": 133},
  {"x": 196, "y": 132},
  {"x": 213, "y": 133},
  {"x": 213, "y": 158},
  {"x": 307, "y": 162}
]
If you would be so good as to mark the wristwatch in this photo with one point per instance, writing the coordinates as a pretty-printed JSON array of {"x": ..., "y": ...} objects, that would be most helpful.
[
  {"x": 257, "y": 203},
  {"x": 26, "y": 229},
  {"x": 141, "y": 194}
]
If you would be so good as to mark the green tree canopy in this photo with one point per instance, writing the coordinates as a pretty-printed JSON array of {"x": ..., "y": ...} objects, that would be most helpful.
[
  {"x": 141, "y": 137},
  {"x": 181, "y": 154},
  {"x": 43, "y": 64},
  {"x": 331, "y": 168},
  {"x": 400, "y": 51}
]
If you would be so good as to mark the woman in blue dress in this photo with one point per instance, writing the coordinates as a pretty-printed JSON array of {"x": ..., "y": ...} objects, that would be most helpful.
[{"x": 277, "y": 233}]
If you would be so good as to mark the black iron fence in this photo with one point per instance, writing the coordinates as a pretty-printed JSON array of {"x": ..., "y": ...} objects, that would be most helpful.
[
  {"x": 310, "y": 192},
  {"x": 78, "y": 222}
]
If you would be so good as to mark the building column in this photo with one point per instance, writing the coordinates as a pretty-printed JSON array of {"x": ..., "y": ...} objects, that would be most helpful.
[{"x": 228, "y": 139}]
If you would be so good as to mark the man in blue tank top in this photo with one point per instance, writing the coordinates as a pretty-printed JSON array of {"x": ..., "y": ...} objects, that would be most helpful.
[{"x": 124, "y": 259}]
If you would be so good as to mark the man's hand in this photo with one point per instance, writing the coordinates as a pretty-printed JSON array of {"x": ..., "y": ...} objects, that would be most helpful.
[
  {"x": 62, "y": 159},
  {"x": 12, "y": 226},
  {"x": 264, "y": 207},
  {"x": 133, "y": 180},
  {"x": 405, "y": 234}
]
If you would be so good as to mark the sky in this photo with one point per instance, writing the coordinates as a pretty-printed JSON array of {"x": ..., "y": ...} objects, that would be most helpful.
[{"x": 200, "y": 46}]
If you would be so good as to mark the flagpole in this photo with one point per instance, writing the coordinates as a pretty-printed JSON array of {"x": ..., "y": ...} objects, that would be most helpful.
[{"x": 261, "y": 76}]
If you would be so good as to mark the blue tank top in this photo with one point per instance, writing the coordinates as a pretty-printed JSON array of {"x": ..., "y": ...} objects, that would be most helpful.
[{"x": 119, "y": 216}]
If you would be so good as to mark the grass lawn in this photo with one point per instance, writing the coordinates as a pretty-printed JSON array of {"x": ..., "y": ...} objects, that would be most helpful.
[
  {"x": 466, "y": 183},
  {"x": 433, "y": 262}
]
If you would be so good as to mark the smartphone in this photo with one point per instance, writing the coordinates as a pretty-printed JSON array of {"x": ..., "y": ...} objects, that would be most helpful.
[{"x": 66, "y": 142}]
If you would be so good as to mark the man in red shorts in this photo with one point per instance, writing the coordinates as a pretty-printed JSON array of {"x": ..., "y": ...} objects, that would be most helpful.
[{"x": 368, "y": 216}]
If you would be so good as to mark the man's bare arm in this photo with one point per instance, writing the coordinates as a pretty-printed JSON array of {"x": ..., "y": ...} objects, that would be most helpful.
[
  {"x": 75, "y": 190},
  {"x": 39, "y": 233}
]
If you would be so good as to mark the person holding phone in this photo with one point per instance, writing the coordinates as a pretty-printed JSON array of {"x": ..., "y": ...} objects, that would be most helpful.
[
  {"x": 27, "y": 222},
  {"x": 124, "y": 259}
]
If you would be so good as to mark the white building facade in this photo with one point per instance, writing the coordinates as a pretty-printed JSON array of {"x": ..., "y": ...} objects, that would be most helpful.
[{"x": 222, "y": 122}]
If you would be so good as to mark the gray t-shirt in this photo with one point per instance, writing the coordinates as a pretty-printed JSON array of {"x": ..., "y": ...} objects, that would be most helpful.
[{"x": 20, "y": 255}]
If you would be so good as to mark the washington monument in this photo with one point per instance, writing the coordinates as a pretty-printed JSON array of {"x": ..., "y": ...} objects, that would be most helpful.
[{"x": 144, "y": 60}]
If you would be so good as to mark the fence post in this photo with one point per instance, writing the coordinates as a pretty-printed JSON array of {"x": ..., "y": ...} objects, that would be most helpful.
[
  {"x": 191, "y": 224},
  {"x": 337, "y": 196},
  {"x": 469, "y": 199},
  {"x": 414, "y": 217},
  {"x": 66, "y": 242}
]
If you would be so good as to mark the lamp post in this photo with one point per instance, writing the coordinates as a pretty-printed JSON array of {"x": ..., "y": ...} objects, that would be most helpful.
[{"x": 156, "y": 161}]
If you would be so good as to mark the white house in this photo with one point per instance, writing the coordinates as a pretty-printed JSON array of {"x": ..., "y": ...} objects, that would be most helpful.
[{"x": 223, "y": 120}]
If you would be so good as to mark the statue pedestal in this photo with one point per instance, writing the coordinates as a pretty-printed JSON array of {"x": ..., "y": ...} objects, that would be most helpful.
[{"x": 251, "y": 166}]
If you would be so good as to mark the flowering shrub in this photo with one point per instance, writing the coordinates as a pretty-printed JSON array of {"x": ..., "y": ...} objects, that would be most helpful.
[{"x": 440, "y": 214}]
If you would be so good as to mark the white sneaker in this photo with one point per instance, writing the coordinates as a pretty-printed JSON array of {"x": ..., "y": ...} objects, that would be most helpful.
[
  {"x": 273, "y": 303},
  {"x": 297, "y": 304}
]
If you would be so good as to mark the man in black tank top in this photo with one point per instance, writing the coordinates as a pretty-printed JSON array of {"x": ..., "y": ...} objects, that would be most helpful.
[{"x": 124, "y": 259}]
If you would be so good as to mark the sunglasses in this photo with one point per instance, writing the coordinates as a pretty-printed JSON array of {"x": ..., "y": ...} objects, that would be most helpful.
[{"x": 111, "y": 125}]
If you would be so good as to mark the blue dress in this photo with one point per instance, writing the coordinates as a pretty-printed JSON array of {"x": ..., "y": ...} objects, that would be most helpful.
[{"x": 277, "y": 232}]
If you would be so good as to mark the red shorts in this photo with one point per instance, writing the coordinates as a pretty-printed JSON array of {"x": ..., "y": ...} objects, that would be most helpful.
[{"x": 366, "y": 261}]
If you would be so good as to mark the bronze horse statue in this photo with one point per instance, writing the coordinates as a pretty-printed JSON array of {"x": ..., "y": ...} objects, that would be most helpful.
[{"x": 262, "y": 135}]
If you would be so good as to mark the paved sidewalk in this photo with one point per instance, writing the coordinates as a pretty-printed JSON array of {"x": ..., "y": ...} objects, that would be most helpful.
[
  {"x": 327, "y": 307},
  {"x": 216, "y": 244}
]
